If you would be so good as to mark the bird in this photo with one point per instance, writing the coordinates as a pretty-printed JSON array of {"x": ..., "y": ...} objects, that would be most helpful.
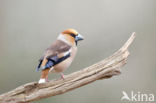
[{"x": 59, "y": 55}]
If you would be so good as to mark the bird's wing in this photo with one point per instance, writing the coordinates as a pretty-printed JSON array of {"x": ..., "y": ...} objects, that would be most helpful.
[
  {"x": 55, "y": 51},
  {"x": 57, "y": 48}
]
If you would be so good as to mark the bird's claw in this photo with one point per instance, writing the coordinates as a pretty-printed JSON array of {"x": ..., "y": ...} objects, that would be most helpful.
[{"x": 62, "y": 76}]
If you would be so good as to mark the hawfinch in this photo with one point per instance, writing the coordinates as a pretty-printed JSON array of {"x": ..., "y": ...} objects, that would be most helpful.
[{"x": 59, "y": 55}]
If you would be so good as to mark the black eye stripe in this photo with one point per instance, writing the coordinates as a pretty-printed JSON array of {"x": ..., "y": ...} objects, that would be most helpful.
[{"x": 73, "y": 35}]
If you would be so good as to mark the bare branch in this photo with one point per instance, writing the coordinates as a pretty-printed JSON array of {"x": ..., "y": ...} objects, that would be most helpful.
[{"x": 101, "y": 70}]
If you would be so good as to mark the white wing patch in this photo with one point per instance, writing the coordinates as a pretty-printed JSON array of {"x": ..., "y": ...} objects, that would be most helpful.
[{"x": 66, "y": 53}]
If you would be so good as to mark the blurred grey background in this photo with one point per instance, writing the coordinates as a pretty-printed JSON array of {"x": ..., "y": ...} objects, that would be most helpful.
[{"x": 27, "y": 27}]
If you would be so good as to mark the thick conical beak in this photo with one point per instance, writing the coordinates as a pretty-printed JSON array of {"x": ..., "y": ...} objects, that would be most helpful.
[{"x": 79, "y": 37}]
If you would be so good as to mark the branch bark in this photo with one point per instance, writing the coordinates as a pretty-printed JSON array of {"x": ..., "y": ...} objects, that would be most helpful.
[{"x": 101, "y": 70}]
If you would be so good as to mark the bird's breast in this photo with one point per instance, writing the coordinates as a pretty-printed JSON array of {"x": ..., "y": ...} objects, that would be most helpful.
[{"x": 66, "y": 63}]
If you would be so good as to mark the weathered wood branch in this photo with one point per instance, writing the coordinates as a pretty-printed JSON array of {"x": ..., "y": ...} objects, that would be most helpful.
[{"x": 101, "y": 70}]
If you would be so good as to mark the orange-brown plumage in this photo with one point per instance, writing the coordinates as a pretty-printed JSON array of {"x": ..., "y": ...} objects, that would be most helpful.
[
  {"x": 67, "y": 34},
  {"x": 70, "y": 31}
]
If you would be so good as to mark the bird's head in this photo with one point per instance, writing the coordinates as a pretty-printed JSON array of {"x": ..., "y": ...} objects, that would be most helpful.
[{"x": 72, "y": 36}]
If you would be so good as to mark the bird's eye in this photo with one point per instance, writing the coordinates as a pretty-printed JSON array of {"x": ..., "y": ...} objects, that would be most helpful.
[{"x": 73, "y": 35}]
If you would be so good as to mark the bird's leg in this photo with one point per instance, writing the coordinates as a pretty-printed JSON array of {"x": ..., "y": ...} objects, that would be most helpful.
[
  {"x": 47, "y": 79},
  {"x": 62, "y": 76}
]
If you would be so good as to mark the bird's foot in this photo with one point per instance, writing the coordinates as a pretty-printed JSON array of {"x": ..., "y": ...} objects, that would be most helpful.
[
  {"x": 47, "y": 80},
  {"x": 62, "y": 76}
]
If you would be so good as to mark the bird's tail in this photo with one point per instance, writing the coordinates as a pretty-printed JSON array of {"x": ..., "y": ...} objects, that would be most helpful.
[{"x": 44, "y": 76}]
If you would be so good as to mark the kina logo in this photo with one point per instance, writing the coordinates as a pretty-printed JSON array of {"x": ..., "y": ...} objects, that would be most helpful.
[{"x": 138, "y": 96}]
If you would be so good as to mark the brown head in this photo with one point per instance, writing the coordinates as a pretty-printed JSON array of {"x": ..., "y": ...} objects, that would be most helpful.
[{"x": 72, "y": 35}]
